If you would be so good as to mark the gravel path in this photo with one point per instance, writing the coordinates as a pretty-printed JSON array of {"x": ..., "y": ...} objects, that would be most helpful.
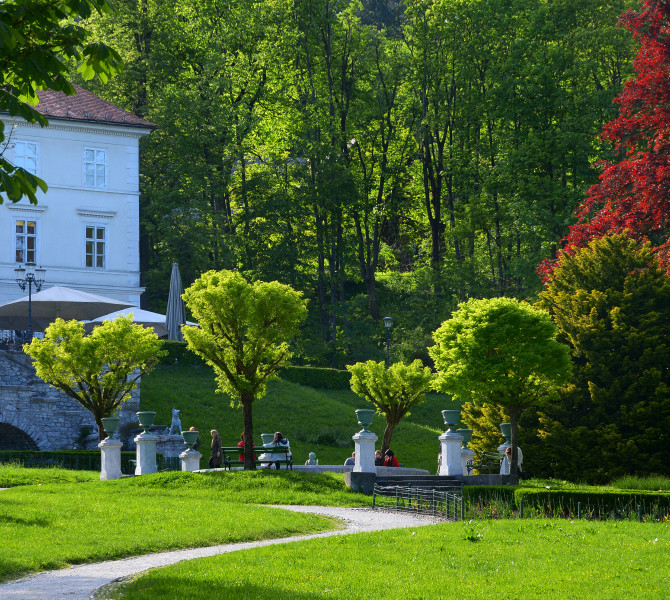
[{"x": 81, "y": 583}]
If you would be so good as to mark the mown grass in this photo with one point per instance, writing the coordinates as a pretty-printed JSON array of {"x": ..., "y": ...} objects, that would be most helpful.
[
  {"x": 546, "y": 560},
  {"x": 651, "y": 482},
  {"x": 320, "y": 421},
  {"x": 16, "y": 475},
  {"x": 52, "y": 525}
]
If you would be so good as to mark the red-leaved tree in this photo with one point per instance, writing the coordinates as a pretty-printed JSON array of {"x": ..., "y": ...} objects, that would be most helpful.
[{"x": 633, "y": 194}]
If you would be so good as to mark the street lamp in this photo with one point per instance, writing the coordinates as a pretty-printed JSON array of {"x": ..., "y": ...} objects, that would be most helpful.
[
  {"x": 388, "y": 321},
  {"x": 29, "y": 276}
]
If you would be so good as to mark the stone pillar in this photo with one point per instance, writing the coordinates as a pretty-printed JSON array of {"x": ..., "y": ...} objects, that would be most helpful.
[
  {"x": 110, "y": 459},
  {"x": 450, "y": 444},
  {"x": 190, "y": 460},
  {"x": 364, "y": 446},
  {"x": 466, "y": 455},
  {"x": 146, "y": 454}
]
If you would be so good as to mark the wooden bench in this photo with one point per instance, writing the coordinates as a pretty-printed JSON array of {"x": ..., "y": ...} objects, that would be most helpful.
[
  {"x": 489, "y": 462},
  {"x": 230, "y": 456}
]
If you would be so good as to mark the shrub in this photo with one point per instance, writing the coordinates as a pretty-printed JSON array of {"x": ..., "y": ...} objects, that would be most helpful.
[{"x": 316, "y": 377}]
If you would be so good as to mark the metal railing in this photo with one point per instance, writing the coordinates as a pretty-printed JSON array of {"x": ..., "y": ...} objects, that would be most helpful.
[{"x": 427, "y": 501}]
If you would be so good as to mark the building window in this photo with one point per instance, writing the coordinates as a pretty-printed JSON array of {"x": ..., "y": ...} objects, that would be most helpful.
[
  {"x": 25, "y": 155},
  {"x": 96, "y": 246},
  {"x": 95, "y": 167},
  {"x": 26, "y": 241}
]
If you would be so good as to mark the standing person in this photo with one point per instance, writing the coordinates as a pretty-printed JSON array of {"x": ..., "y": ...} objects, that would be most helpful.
[
  {"x": 217, "y": 443},
  {"x": 281, "y": 441},
  {"x": 240, "y": 444},
  {"x": 506, "y": 462},
  {"x": 351, "y": 461},
  {"x": 390, "y": 460},
  {"x": 379, "y": 459}
]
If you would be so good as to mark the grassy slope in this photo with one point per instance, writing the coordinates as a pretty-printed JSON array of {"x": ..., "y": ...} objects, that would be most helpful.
[
  {"x": 51, "y": 525},
  {"x": 320, "y": 421}
]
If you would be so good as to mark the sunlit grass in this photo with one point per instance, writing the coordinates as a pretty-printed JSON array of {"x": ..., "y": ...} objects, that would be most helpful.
[
  {"x": 51, "y": 525},
  {"x": 651, "y": 482},
  {"x": 544, "y": 560}
]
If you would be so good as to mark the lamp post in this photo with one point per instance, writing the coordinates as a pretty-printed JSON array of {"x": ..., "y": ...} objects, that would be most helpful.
[
  {"x": 29, "y": 276},
  {"x": 388, "y": 321}
]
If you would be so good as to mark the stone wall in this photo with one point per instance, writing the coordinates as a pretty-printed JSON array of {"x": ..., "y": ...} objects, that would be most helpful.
[{"x": 50, "y": 418}]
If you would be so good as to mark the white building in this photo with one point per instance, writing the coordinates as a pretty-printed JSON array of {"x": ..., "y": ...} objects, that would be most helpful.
[{"x": 85, "y": 230}]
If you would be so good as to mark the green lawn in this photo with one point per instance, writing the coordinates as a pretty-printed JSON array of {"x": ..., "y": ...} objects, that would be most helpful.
[
  {"x": 535, "y": 559},
  {"x": 320, "y": 421},
  {"x": 53, "y": 525}
]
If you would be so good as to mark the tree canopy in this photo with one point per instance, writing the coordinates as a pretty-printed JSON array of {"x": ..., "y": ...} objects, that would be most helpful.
[
  {"x": 99, "y": 370},
  {"x": 244, "y": 333},
  {"x": 393, "y": 391},
  {"x": 38, "y": 41},
  {"x": 610, "y": 302},
  {"x": 500, "y": 351}
]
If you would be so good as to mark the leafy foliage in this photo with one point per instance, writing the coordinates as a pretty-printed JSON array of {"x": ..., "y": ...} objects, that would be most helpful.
[
  {"x": 393, "y": 391},
  {"x": 37, "y": 39},
  {"x": 500, "y": 351},
  {"x": 610, "y": 302},
  {"x": 98, "y": 370},
  {"x": 632, "y": 192},
  {"x": 243, "y": 334}
]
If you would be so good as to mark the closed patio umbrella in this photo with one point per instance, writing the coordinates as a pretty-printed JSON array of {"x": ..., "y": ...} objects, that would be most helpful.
[
  {"x": 175, "y": 316},
  {"x": 54, "y": 302}
]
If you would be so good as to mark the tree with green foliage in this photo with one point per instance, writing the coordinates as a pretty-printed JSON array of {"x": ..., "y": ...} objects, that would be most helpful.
[
  {"x": 393, "y": 391},
  {"x": 37, "y": 39},
  {"x": 243, "y": 335},
  {"x": 610, "y": 302},
  {"x": 500, "y": 351},
  {"x": 99, "y": 370}
]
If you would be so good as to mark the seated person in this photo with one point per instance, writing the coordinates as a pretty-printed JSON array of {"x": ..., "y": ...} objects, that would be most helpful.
[
  {"x": 379, "y": 459},
  {"x": 390, "y": 460},
  {"x": 351, "y": 461},
  {"x": 281, "y": 441},
  {"x": 312, "y": 460},
  {"x": 240, "y": 444}
]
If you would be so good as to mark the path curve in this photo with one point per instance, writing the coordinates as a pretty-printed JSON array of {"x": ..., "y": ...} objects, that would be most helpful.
[{"x": 82, "y": 582}]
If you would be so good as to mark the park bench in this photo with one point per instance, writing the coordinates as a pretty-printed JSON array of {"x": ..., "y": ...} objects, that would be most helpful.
[
  {"x": 489, "y": 462},
  {"x": 230, "y": 456}
]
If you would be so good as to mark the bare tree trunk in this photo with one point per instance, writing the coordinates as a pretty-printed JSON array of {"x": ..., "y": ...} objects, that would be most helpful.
[{"x": 247, "y": 399}]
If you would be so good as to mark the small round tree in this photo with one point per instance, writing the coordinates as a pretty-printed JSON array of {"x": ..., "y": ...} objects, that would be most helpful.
[
  {"x": 393, "y": 391},
  {"x": 243, "y": 334},
  {"x": 99, "y": 370},
  {"x": 500, "y": 351}
]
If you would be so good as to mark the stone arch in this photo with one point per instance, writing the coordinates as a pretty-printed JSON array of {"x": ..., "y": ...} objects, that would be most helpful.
[{"x": 13, "y": 438}]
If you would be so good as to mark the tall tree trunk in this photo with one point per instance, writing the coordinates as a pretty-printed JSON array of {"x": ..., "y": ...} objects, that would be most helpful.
[{"x": 246, "y": 399}]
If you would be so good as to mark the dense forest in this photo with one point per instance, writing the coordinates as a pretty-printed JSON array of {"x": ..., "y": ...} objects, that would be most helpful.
[{"x": 381, "y": 157}]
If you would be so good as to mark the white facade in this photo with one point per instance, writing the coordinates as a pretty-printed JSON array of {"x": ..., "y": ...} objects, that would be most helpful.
[{"x": 85, "y": 230}]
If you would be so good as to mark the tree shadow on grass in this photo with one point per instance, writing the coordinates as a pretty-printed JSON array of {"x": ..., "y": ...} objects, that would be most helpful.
[
  {"x": 33, "y": 522},
  {"x": 162, "y": 586}
]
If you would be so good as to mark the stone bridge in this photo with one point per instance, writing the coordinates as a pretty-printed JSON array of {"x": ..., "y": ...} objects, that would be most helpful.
[{"x": 35, "y": 416}]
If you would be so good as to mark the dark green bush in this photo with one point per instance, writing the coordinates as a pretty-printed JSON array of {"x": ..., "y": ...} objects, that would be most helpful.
[{"x": 317, "y": 377}]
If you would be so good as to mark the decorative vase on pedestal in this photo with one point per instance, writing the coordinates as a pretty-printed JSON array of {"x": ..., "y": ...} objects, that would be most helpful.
[
  {"x": 267, "y": 438},
  {"x": 190, "y": 438},
  {"x": 146, "y": 419},
  {"x": 451, "y": 417},
  {"x": 110, "y": 425},
  {"x": 467, "y": 436},
  {"x": 506, "y": 429},
  {"x": 365, "y": 416}
]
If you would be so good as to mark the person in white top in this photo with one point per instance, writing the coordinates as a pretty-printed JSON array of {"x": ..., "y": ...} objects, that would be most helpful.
[{"x": 505, "y": 463}]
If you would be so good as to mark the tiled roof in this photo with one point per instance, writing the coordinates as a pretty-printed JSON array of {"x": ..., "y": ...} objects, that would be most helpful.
[{"x": 85, "y": 106}]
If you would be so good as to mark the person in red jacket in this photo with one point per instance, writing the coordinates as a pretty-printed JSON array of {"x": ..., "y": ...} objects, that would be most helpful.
[
  {"x": 390, "y": 460},
  {"x": 241, "y": 445}
]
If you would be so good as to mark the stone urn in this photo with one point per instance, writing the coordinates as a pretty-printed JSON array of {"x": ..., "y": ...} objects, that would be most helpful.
[
  {"x": 110, "y": 425},
  {"x": 146, "y": 419},
  {"x": 190, "y": 438},
  {"x": 365, "y": 416},
  {"x": 451, "y": 417},
  {"x": 467, "y": 436},
  {"x": 506, "y": 429}
]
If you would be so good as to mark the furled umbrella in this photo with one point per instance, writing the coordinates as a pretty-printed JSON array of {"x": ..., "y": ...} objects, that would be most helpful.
[
  {"x": 175, "y": 316},
  {"x": 58, "y": 301}
]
